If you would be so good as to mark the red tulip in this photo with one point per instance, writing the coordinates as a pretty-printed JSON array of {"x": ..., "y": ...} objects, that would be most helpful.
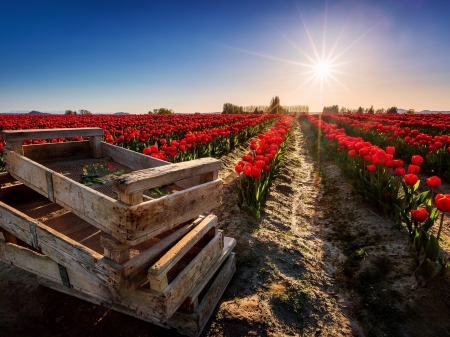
[
  {"x": 390, "y": 150},
  {"x": 413, "y": 169},
  {"x": 399, "y": 171},
  {"x": 351, "y": 153},
  {"x": 434, "y": 182},
  {"x": 411, "y": 179},
  {"x": 419, "y": 215},
  {"x": 247, "y": 170},
  {"x": 416, "y": 160},
  {"x": 442, "y": 202},
  {"x": 371, "y": 168},
  {"x": 238, "y": 168},
  {"x": 256, "y": 172},
  {"x": 147, "y": 150}
]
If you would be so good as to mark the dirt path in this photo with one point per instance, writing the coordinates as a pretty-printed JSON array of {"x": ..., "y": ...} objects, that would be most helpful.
[{"x": 319, "y": 262}]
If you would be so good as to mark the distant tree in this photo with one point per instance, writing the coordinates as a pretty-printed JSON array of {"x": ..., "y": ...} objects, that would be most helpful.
[
  {"x": 360, "y": 110},
  {"x": 392, "y": 110},
  {"x": 162, "y": 111},
  {"x": 274, "y": 107},
  {"x": 371, "y": 110},
  {"x": 70, "y": 112},
  {"x": 229, "y": 108},
  {"x": 410, "y": 111},
  {"x": 380, "y": 111},
  {"x": 332, "y": 109},
  {"x": 84, "y": 112}
]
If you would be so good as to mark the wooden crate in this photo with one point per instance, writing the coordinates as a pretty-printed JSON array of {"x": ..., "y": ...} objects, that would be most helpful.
[
  {"x": 130, "y": 217},
  {"x": 157, "y": 259},
  {"x": 142, "y": 303},
  {"x": 63, "y": 235}
]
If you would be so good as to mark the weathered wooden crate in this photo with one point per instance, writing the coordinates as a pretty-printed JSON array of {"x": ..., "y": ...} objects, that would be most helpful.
[
  {"x": 139, "y": 304},
  {"x": 129, "y": 216},
  {"x": 76, "y": 244},
  {"x": 161, "y": 274},
  {"x": 151, "y": 258}
]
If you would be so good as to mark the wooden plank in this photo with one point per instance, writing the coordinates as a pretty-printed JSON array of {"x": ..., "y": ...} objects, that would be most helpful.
[
  {"x": 15, "y": 146},
  {"x": 181, "y": 286},
  {"x": 146, "y": 179},
  {"x": 192, "y": 324},
  {"x": 114, "y": 249},
  {"x": 131, "y": 199},
  {"x": 160, "y": 268},
  {"x": 57, "y": 151},
  {"x": 228, "y": 246},
  {"x": 30, "y": 261},
  {"x": 30, "y": 173},
  {"x": 131, "y": 159},
  {"x": 140, "y": 262},
  {"x": 96, "y": 146},
  {"x": 62, "y": 249},
  {"x": 153, "y": 217},
  {"x": 15, "y": 135},
  {"x": 96, "y": 208}
]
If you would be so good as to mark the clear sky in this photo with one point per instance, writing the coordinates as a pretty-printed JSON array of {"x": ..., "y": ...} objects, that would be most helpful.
[{"x": 189, "y": 56}]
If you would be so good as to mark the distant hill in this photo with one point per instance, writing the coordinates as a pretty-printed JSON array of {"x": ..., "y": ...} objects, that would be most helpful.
[
  {"x": 121, "y": 113},
  {"x": 34, "y": 112},
  {"x": 402, "y": 111}
]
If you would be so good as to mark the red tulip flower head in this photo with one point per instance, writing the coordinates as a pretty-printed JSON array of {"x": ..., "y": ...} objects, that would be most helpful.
[
  {"x": 413, "y": 169},
  {"x": 390, "y": 150},
  {"x": 434, "y": 182},
  {"x": 371, "y": 168},
  {"x": 419, "y": 215},
  {"x": 442, "y": 202},
  {"x": 238, "y": 168},
  {"x": 411, "y": 179},
  {"x": 399, "y": 171},
  {"x": 416, "y": 160}
]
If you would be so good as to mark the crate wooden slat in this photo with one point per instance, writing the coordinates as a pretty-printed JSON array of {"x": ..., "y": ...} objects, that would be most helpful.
[
  {"x": 139, "y": 304},
  {"x": 120, "y": 279},
  {"x": 127, "y": 223}
]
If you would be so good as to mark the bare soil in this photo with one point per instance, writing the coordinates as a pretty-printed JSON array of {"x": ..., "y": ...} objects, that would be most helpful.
[{"x": 319, "y": 262}]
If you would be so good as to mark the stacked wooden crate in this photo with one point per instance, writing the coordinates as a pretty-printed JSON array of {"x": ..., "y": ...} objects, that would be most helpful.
[{"x": 162, "y": 260}]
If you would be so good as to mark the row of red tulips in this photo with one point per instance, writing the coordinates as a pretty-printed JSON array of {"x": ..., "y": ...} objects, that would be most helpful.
[
  {"x": 435, "y": 149},
  {"x": 260, "y": 166},
  {"x": 167, "y": 137},
  {"x": 389, "y": 186}
]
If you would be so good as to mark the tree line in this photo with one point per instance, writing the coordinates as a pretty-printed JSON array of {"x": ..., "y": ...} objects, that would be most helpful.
[
  {"x": 274, "y": 107},
  {"x": 334, "y": 109}
]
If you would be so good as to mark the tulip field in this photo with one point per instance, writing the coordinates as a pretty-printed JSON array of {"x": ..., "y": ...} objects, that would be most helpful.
[
  {"x": 340, "y": 219},
  {"x": 382, "y": 157}
]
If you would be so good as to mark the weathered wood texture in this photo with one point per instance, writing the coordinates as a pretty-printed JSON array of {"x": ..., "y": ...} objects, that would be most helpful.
[
  {"x": 142, "y": 303},
  {"x": 29, "y": 172},
  {"x": 61, "y": 248},
  {"x": 191, "y": 300},
  {"x": 159, "y": 176},
  {"x": 153, "y": 217},
  {"x": 16, "y": 135},
  {"x": 101, "y": 211},
  {"x": 192, "y": 323},
  {"x": 131, "y": 159},
  {"x": 57, "y": 151},
  {"x": 131, "y": 224}
]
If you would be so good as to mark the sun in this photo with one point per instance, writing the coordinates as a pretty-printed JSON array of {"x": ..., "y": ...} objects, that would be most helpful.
[{"x": 322, "y": 69}]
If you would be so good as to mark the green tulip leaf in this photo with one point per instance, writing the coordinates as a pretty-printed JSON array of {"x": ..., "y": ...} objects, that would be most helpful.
[
  {"x": 426, "y": 271},
  {"x": 432, "y": 248}
]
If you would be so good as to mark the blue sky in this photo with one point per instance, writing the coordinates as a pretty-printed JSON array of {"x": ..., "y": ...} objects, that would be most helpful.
[{"x": 190, "y": 56}]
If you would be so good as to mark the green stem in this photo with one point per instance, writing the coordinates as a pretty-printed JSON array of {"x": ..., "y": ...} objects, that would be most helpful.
[{"x": 440, "y": 226}]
